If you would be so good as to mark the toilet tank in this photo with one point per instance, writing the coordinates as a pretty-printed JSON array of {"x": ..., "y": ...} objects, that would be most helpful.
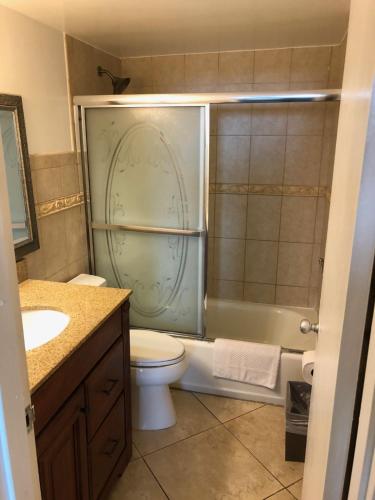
[{"x": 88, "y": 279}]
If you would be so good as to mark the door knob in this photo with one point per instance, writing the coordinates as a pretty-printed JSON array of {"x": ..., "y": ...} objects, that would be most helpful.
[{"x": 307, "y": 327}]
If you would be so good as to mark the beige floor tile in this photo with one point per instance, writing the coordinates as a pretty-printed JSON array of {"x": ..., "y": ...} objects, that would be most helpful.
[
  {"x": 281, "y": 495},
  {"x": 211, "y": 465},
  {"x": 296, "y": 490},
  {"x": 227, "y": 408},
  {"x": 263, "y": 433},
  {"x": 137, "y": 482},
  {"x": 135, "y": 453},
  {"x": 192, "y": 418}
]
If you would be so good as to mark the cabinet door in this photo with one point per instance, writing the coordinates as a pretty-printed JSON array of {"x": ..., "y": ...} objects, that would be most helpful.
[{"x": 62, "y": 453}]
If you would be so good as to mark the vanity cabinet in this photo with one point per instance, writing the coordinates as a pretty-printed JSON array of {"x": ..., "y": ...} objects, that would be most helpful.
[{"x": 83, "y": 416}]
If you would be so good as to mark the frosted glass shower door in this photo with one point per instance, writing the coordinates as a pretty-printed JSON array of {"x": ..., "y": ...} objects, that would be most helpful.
[{"x": 146, "y": 169}]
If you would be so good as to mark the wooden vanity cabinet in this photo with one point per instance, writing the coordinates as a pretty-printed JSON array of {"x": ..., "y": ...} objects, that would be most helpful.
[{"x": 83, "y": 416}]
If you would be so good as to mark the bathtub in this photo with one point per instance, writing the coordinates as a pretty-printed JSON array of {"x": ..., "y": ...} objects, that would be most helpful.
[{"x": 255, "y": 323}]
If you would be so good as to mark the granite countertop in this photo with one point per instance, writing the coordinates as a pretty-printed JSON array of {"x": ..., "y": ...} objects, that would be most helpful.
[{"x": 87, "y": 306}]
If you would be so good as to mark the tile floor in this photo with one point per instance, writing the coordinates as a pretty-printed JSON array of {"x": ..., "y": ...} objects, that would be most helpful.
[{"x": 220, "y": 449}]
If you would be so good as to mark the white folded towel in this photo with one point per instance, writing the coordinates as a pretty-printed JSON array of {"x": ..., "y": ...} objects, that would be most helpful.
[{"x": 247, "y": 362}]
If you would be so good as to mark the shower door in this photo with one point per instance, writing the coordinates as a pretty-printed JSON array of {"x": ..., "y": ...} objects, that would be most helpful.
[{"x": 146, "y": 182}]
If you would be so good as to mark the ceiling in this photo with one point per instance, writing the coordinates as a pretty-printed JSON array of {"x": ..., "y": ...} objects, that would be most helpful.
[{"x": 151, "y": 27}]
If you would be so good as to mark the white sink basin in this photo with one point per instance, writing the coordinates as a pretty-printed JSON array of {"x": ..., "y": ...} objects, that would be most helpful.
[{"x": 42, "y": 325}]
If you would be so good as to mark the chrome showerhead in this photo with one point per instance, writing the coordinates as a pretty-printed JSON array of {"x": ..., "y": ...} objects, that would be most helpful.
[{"x": 119, "y": 84}]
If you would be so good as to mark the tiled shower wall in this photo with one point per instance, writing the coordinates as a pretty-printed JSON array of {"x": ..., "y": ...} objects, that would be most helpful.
[{"x": 270, "y": 166}]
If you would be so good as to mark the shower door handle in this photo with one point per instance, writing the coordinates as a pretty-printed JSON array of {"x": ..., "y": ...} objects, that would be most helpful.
[
  {"x": 306, "y": 327},
  {"x": 148, "y": 229}
]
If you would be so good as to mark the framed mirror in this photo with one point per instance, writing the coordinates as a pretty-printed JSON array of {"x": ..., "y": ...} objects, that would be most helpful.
[{"x": 17, "y": 167}]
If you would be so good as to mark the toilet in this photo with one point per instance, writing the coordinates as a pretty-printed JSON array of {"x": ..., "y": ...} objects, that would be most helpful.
[{"x": 156, "y": 360}]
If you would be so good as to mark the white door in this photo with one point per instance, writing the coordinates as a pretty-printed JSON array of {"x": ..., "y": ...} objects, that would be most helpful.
[
  {"x": 348, "y": 267},
  {"x": 18, "y": 467}
]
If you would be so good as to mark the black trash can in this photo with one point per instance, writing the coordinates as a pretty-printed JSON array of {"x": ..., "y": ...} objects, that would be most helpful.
[{"x": 296, "y": 420}]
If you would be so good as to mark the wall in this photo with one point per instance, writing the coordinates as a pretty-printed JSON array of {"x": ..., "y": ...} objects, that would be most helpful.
[
  {"x": 270, "y": 166},
  {"x": 33, "y": 66},
  {"x": 57, "y": 182},
  {"x": 83, "y": 61}
]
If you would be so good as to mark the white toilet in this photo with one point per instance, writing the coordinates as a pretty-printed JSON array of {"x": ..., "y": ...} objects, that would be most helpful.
[{"x": 156, "y": 360}]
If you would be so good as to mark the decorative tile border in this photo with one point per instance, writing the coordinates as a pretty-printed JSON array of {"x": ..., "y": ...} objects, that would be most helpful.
[
  {"x": 58, "y": 205},
  {"x": 269, "y": 189}
]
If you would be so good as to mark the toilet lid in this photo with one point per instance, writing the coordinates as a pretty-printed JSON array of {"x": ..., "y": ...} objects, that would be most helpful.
[{"x": 148, "y": 348}]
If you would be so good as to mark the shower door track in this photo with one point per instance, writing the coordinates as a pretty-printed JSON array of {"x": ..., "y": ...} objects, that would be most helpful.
[{"x": 147, "y": 229}]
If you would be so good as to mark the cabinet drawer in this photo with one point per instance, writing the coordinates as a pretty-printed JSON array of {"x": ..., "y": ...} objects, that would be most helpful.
[
  {"x": 106, "y": 447},
  {"x": 104, "y": 385}
]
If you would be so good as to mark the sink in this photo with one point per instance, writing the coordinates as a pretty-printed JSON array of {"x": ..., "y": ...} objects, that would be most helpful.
[{"x": 42, "y": 325}]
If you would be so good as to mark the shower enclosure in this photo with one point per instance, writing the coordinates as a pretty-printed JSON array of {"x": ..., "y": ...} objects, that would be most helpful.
[
  {"x": 145, "y": 161},
  {"x": 146, "y": 191}
]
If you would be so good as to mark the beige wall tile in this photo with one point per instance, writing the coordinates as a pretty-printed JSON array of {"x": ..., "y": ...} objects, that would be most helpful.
[
  {"x": 201, "y": 69},
  {"x": 292, "y": 296},
  {"x": 229, "y": 259},
  {"x": 69, "y": 180},
  {"x": 234, "y": 119},
  {"x": 298, "y": 219},
  {"x": 331, "y": 118},
  {"x": 213, "y": 158},
  {"x": 53, "y": 242},
  {"x": 306, "y": 118},
  {"x": 294, "y": 264},
  {"x": 213, "y": 119},
  {"x": 321, "y": 219},
  {"x": 302, "y": 161},
  {"x": 83, "y": 60},
  {"x": 36, "y": 263},
  {"x": 230, "y": 215},
  {"x": 261, "y": 261},
  {"x": 236, "y": 67},
  {"x": 314, "y": 297},
  {"x": 169, "y": 70},
  {"x": 307, "y": 85},
  {"x": 269, "y": 119},
  {"x": 272, "y": 66},
  {"x": 76, "y": 246},
  {"x": 336, "y": 69},
  {"x": 48, "y": 184},
  {"x": 139, "y": 69},
  {"x": 316, "y": 273},
  {"x": 256, "y": 292},
  {"x": 80, "y": 266},
  {"x": 267, "y": 159},
  {"x": 327, "y": 163},
  {"x": 231, "y": 290},
  {"x": 263, "y": 217},
  {"x": 310, "y": 64},
  {"x": 235, "y": 87},
  {"x": 233, "y": 155},
  {"x": 211, "y": 214}
]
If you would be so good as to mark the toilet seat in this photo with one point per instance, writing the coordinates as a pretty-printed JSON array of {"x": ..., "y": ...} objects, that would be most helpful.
[{"x": 149, "y": 349}]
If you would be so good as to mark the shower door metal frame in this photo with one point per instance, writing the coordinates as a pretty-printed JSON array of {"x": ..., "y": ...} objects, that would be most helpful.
[{"x": 81, "y": 143}]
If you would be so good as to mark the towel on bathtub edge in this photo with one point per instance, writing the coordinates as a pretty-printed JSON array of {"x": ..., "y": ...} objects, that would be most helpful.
[{"x": 247, "y": 362}]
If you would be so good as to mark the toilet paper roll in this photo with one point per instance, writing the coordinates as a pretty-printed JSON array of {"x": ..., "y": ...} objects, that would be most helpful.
[{"x": 308, "y": 361}]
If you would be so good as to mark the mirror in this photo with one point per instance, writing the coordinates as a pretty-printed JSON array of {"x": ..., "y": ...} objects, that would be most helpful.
[{"x": 17, "y": 167}]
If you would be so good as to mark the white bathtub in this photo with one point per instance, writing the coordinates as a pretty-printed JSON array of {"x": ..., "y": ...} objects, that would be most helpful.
[{"x": 252, "y": 322}]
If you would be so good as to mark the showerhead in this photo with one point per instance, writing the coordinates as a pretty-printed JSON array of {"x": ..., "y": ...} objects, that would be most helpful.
[{"x": 119, "y": 84}]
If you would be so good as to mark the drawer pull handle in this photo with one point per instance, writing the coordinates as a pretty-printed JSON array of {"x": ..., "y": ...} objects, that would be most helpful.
[
  {"x": 111, "y": 446},
  {"x": 111, "y": 384}
]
